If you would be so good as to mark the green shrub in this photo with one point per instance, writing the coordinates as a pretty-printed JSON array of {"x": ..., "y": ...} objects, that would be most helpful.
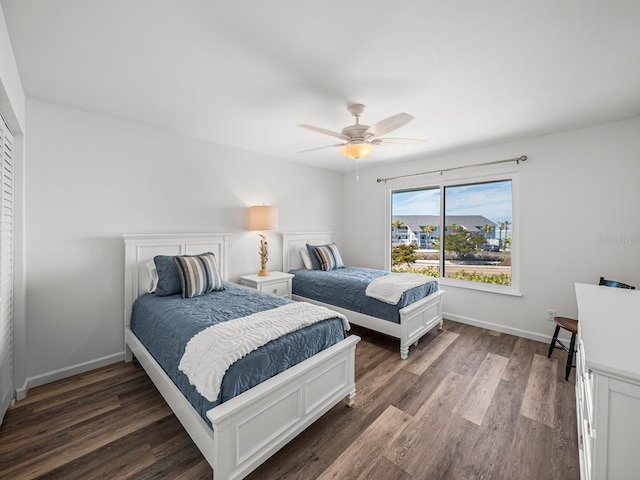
[
  {"x": 494, "y": 278},
  {"x": 404, "y": 254},
  {"x": 429, "y": 271}
]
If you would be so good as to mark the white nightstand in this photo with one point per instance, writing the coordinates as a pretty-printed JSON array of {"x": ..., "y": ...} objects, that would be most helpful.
[{"x": 276, "y": 283}]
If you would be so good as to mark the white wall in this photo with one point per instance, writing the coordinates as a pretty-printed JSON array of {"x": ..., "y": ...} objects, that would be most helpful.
[
  {"x": 12, "y": 98},
  {"x": 579, "y": 198},
  {"x": 93, "y": 178}
]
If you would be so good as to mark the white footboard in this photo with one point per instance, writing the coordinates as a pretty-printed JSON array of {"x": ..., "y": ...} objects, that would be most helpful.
[
  {"x": 251, "y": 427},
  {"x": 417, "y": 319}
]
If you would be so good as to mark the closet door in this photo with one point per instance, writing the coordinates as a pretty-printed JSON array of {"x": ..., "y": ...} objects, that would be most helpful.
[{"x": 6, "y": 268}]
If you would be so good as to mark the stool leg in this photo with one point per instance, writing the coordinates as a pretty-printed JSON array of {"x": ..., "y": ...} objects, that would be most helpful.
[
  {"x": 570, "y": 356},
  {"x": 553, "y": 341}
]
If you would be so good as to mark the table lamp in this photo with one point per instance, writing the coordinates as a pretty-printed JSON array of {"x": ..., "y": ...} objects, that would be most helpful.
[{"x": 262, "y": 218}]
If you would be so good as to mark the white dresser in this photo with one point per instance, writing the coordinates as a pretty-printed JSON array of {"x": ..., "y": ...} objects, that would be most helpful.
[{"x": 608, "y": 382}]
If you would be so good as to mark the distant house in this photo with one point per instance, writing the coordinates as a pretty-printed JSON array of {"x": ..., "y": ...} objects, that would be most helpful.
[{"x": 411, "y": 229}]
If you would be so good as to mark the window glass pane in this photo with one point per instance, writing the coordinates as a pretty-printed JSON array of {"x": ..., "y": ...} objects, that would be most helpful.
[
  {"x": 478, "y": 226},
  {"x": 415, "y": 221}
]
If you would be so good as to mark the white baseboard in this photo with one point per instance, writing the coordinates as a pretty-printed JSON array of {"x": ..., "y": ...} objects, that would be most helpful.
[
  {"x": 21, "y": 392},
  {"x": 510, "y": 330},
  {"x": 66, "y": 372}
]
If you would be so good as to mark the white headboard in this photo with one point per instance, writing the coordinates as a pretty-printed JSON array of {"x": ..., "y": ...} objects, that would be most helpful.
[
  {"x": 292, "y": 242},
  {"x": 140, "y": 249}
]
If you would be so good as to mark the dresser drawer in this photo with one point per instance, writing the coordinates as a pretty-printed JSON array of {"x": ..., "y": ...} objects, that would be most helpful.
[
  {"x": 587, "y": 387},
  {"x": 587, "y": 450},
  {"x": 584, "y": 383}
]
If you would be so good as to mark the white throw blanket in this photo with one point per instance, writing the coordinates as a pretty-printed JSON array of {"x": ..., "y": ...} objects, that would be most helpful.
[
  {"x": 389, "y": 288},
  {"x": 211, "y": 352}
]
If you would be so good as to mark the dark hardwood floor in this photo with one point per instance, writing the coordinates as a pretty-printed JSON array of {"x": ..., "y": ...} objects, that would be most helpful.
[{"x": 468, "y": 404}]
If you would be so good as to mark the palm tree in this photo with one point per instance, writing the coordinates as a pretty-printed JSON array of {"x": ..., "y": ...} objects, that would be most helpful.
[
  {"x": 504, "y": 226},
  {"x": 396, "y": 225},
  {"x": 487, "y": 229},
  {"x": 429, "y": 229}
]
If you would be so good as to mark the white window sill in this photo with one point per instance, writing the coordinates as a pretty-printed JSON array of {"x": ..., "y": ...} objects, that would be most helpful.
[{"x": 484, "y": 287}]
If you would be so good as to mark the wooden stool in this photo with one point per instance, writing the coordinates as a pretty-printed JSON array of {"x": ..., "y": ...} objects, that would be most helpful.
[{"x": 570, "y": 325}]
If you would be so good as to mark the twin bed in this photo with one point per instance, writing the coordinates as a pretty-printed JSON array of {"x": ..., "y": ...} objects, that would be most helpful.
[
  {"x": 264, "y": 398},
  {"x": 418, "y": 311},
  {"x": 264, "y": 401}
]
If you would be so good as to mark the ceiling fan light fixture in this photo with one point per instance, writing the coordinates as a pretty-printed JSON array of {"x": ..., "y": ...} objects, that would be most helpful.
[{"x": 357, "y": 149}]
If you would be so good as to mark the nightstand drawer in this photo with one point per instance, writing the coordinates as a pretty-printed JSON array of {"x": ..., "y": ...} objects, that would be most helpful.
[{"x": 280, "y": 289}]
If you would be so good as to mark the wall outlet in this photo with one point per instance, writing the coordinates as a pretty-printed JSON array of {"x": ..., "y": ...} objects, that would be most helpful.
[{"x": 551, "y": 314}]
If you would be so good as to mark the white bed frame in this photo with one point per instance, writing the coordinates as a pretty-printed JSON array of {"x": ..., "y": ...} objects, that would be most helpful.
[
  {"x": 415, "y": 319},
  {"x": 251, "y": 427}
]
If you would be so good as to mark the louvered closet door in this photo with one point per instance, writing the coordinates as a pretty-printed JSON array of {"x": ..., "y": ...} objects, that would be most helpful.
[{"x": 6, "y": 269}]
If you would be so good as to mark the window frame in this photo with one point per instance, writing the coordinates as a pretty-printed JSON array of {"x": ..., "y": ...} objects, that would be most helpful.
[{"x": 441, "y": 183}]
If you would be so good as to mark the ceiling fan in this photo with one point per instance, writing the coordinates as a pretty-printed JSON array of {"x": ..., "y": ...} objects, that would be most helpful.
[{"x": 358, "y": 139}]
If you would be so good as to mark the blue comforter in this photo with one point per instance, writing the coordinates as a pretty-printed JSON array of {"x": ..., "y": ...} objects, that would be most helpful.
[
  {"x": 165, "y": 324},
  {"x": 345, "y": 288}
]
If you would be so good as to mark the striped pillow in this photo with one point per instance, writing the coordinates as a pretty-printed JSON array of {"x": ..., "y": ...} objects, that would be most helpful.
[
  {"x": 329, "y": 257},
  {"x": 199, "y": 274}
]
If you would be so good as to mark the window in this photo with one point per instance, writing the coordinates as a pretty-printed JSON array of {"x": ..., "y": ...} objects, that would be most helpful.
[{"x": 462, "y": 233}]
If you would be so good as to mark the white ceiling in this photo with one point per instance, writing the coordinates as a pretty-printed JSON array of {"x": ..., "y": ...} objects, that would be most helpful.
[{"x": 245, "y": 73}]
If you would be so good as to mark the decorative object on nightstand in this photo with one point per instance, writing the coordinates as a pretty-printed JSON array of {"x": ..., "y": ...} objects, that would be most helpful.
[
  {"x": 277, "y": 283},
  {"x": 262, "y": 218}
]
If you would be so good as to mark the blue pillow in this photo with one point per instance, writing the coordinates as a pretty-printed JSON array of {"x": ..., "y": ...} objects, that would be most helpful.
[
  {"x": 168, "y": 276},
  {"x": 312, "y": 254}
]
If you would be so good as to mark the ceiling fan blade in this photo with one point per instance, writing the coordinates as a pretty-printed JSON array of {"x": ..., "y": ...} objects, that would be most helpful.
[
  {"x": 388, "y": 125},
  {"x": 321, "y": 148},
  {"x": 389, "y": 141},
  {"x": 325, "y": 131}
]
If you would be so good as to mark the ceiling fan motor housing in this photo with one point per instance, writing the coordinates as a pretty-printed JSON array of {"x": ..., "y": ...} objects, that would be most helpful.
[{"x": 355, "y": 132}]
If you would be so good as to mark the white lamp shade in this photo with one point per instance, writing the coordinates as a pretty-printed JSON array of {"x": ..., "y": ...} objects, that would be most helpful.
[
  {"x": 262, "y": 218},
  {"x": 357, "y": 149}
]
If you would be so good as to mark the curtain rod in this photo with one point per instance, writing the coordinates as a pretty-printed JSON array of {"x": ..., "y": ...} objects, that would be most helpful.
[{"x": 522, "y": 158}]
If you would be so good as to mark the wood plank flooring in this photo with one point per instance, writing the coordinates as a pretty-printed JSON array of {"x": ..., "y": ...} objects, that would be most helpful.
[{"x": 467, "y": 404}]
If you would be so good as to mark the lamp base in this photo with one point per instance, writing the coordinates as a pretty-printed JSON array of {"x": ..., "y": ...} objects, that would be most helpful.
[{"x": 264, "y": 256}]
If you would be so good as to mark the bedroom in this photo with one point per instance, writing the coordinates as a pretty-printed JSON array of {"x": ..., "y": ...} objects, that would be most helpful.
[{"x": 89, "y": 177}]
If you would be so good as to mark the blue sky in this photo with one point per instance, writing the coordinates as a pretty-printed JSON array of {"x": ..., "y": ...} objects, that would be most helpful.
[{"x": 492, "y": 200}]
